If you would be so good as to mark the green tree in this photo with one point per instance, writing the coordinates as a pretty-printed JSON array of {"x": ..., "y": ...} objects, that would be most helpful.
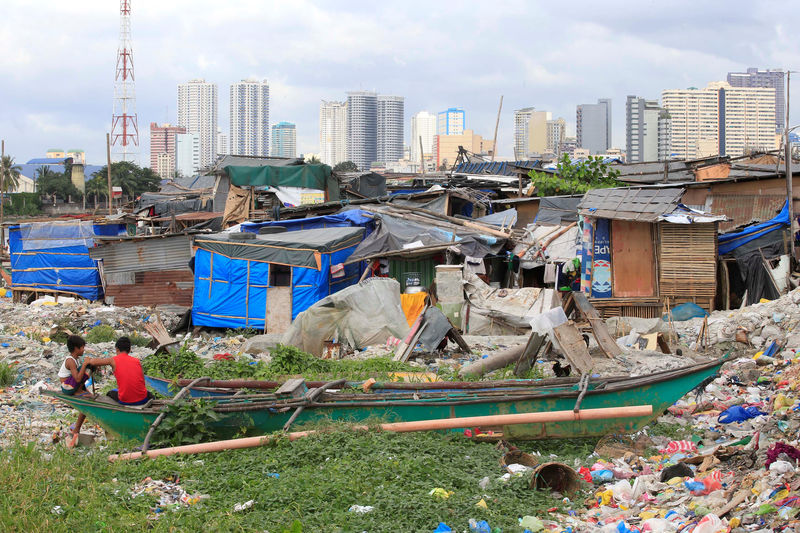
[
  {"x": 345, "y": 166},
  {"x": 51, "y": 183},
  {"x": 313, "y": 160},
  {"x": 9, "y": 171},
  {"x": 129, "y": 176},
  {"x": 97, "y": 186},
  {"x": 575, "y": 177}
]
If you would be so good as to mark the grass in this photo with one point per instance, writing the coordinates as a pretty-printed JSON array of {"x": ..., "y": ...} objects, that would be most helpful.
[
  {"x": 8, "y": 374},
  {"x": 101, "y": 333},
  {"x": 320, "y": 477}
]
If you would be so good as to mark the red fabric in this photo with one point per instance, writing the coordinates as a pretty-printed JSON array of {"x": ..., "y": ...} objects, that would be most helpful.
[{"x": 130, "y": 378}]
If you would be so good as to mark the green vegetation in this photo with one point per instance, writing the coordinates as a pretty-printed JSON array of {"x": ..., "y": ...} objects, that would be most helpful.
[
  {"x": 101, "y": 333},
  {"x": 345, "y": 166},
  {"x": 186, "y": 423},
  {"x": 575, "y": 177},
  {"x": 23, "y": 204},
  {"x": 9, "y": 173},
  {"x": 133, "y": 179},
  {"x": 286, "y": 360},
  {"x": 313, "y": 481},
  {"x": 8, "y": 374},
  {"x": 138, "y": 340}
]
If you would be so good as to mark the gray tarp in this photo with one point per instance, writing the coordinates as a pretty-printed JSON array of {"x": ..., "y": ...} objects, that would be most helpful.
[
  {"x": 358, "y": 316},
  {"x": 393, "y": 234},
  {"x": 557, "y": 210},
  {"x": 294, "y": 248}
]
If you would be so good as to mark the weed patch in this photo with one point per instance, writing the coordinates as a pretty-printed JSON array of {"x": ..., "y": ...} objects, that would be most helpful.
[
  {"x": 101, "y": 333},
  {"x": 8, "y": 374}
]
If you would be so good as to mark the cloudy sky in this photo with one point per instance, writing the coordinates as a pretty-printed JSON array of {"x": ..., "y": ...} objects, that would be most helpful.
[{"x": 58, "y": 58}]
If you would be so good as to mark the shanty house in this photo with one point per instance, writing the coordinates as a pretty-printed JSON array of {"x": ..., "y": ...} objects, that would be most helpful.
[
  {"x": 244, "y": 280},
  {"x": 53, "y": 257},
  {"x": 642, "y": 247}
]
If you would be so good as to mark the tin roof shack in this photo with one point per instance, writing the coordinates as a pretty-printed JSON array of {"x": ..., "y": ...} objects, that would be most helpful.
[
  {"x": 642, "y": 248},
  {"x": 244, "y": 280},
  {"x": 53, "y": 257},
  {"x": 261, "y": 185},
  {"x": 146, "y": 271}
]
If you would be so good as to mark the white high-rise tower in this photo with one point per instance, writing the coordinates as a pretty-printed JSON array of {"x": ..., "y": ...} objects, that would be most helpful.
[
  {"x": 333, "y": 132},
  {"x": 390, "y": 128},
  {"x": 250, "y": 118},
  {"x": 423, "y": 125},
  {"x": 197, "y": 112}
]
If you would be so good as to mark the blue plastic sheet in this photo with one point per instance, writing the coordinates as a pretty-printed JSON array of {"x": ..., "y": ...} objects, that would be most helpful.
[
  {"x": 731, "y": 241},
  {"x": 737, "y": 413}
]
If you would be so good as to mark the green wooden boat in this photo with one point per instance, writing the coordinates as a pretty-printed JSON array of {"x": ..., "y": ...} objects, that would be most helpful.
[{"x": 265, "y": 413}]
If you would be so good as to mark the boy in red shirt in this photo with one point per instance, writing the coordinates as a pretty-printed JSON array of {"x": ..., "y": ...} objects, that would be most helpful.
[{"x": 128, "y": 372}]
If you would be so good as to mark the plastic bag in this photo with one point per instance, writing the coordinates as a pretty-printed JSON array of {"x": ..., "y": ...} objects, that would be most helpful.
[
  {"x": 737, "y": 413},
  {"x": 710, "y": 523}
]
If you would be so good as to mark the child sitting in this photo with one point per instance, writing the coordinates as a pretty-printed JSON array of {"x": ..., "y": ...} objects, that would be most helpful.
[{"x": 73, "y": 375}]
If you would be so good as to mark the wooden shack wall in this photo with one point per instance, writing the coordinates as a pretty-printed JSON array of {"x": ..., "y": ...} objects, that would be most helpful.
[{"x": 687, "y": 263}]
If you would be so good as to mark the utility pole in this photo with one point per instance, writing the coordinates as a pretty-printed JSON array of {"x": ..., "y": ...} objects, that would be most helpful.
[
  {"x": 496, "y": 124},
  {"x": 421, "y": 156},
  {"x": 108, "y": 168},
  {"x": 788, "y": 158}
]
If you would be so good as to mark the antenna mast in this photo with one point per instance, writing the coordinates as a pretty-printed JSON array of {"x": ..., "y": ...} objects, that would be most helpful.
[{"x": 124, "y": 124}]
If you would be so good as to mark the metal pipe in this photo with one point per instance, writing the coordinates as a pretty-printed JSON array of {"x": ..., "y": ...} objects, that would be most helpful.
[{"x": 402, "y": 427}]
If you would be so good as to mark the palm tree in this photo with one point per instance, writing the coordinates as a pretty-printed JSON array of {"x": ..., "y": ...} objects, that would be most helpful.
[
  {"x": 313, "y": 160},
  {"x": 9, "y": 173},
  {"x": 43, "y": 173}
]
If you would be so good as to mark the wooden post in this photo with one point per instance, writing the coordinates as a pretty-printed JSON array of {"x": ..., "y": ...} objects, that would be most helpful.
[
  {"x": 496, "y": 124},
  {"x": 108, "y": 173},
  {"x": 421, "y": 156}
]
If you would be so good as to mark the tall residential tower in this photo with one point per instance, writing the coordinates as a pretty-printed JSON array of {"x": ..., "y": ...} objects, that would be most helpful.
[
  {"x": 333, "y": 132},
  {"x": 593, "y": 126},
  {"x": 362, "y": 128},
  {"x": 249, "y": 104},
  {"x": 197, "y": 113},
  {"x": 423, "y": 126},
  {"x": 284, "y": 140},
  {"x": 764, "y": 78},
  {"x": 391, "y": 110},
  {"x": 646, "y": 132}
]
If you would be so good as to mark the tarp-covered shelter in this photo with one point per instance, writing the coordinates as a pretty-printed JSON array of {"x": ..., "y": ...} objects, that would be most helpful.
[
  {"x": 745, "y": 256},
  {"x": 300, "y": 176},
  {"x": 54, "y": 257},
  {"x": 344, "y": 219},
  {"x": 265, "y": 281},
  {"x": 641, "y": 246}
]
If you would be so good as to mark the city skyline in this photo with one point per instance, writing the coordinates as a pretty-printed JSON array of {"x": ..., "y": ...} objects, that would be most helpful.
[{"x": 573, "y": 71}]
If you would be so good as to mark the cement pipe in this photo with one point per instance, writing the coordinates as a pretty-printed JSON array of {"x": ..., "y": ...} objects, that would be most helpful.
[
  {"x": 498, "y": 360},
  {"x": 401, "y": 427}
]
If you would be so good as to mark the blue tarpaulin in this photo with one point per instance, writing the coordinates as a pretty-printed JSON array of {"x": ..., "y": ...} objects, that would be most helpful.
[
  {"x": 55, "y": 257},
  {"x": 349, "y": 218},
  {"x": 233, "y": 278},
  {"x": 731, "y": 241}
]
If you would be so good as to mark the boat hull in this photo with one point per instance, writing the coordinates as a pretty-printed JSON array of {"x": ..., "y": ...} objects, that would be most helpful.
[{"x": 660, "y": 390}]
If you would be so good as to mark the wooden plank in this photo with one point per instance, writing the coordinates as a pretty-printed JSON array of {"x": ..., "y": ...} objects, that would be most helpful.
[
  {"x": 529, "y": 354},
  {"x": 632, "y": 259},
  {"x": 574, "y": 348},
  {"x": 279, "y": 309},
  {"x": 601, "y": 334}
]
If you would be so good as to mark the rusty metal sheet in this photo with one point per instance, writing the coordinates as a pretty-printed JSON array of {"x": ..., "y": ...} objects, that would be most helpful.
[
  {"x": 742, "y": 209},
  {"x": 144, "y": 255}
]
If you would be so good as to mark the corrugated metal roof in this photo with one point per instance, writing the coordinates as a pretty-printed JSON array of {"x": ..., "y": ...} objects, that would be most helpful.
[
  {"x": 146, "y": 255},
  {"x": 498, "y": 168},
  {"x": 644, "y": 205},
  {"x": 745, "y": 209}
]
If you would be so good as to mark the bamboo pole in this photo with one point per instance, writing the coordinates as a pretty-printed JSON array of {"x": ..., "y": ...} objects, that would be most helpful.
[{"x": 403, "y": 427}]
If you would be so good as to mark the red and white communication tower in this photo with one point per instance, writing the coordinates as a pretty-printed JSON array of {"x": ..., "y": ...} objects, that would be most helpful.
[{"x": 124, "y": 124}]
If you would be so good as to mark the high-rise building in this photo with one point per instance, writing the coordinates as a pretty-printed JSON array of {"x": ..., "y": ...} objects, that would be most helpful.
[
  {"x": 222, "y": 142},
  {"x": 362, "y": 128},
  {"x": 284, "y": 140},
  {"x": 771, "y": 78},
  {"x": 451, "y": 121},
  {"x": 333, "y": 132},
  {"x": 664, "y": 135},
  {"x": 530, "y": 132},
  {"x": 644, "y": 130},
  {"x": 391, "y": 110},
  {"x": 250, "y": 118},
  {"x": 423, "y": 126},
  {"x": 568, "y": 146},
  {"x": 556, "y": 133},
  {"x": 188, "y": 154},
  {"x": 197, "y": 113},
  {"x": 720, "y": 119},
  {"x": 162, "y": 141},
  {"x": 593, "y": 126}
]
